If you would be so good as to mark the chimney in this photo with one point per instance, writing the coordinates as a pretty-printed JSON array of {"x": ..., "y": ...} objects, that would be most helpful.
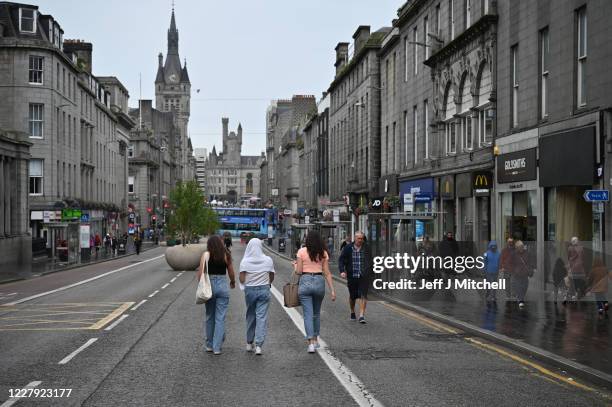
[
  {"x": 361, "y": 36},
  {"x": 341, "y": 55},
  {"x": 82, "y": 50}
]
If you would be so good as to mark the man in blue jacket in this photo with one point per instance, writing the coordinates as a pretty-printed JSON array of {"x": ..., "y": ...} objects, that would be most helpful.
[
  {"x": 356, "y": 264},
  {"x": 491, "y": 262}
]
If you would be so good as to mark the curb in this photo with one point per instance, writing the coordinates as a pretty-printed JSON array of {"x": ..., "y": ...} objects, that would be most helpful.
[
  {"x": 74, "y": 266},
  {"x": 578, "y": 369}
]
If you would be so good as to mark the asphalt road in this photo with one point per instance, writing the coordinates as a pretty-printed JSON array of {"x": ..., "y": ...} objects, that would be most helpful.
[{"x": 153, "y": 354}]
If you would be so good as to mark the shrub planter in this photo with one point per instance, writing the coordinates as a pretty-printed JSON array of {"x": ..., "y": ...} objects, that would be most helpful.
[{"x": 186, "y": 258}]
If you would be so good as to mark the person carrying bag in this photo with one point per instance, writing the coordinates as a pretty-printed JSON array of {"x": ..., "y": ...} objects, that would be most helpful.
[{"x": 215, "y": 264}]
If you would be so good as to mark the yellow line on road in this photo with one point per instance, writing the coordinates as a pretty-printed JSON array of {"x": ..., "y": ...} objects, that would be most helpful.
[
  {"x": 480, "y": 344},
  {"x": 100, "y": 324}
]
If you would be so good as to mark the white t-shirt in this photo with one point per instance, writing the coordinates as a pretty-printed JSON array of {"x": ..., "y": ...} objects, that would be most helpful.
[{"x": 256, "y": 279}]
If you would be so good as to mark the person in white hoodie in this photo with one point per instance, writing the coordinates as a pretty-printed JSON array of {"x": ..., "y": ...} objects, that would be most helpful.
[{"x": 256, "y": 276}]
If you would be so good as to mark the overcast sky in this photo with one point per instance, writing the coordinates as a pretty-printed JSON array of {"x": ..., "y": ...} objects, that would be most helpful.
[{"x": 240, "y": 54}]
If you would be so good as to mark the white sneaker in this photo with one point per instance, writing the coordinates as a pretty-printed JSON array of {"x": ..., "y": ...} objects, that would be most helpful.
[
  {"x": 311, "y": 348},
  {"x": 250, "y": 347},
  {"x": 258, "y": 350},
  {"x": 209, "y": 349}
]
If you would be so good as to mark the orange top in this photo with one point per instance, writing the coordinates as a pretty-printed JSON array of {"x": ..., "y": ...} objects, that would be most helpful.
[{"x": 310, "y": 266}]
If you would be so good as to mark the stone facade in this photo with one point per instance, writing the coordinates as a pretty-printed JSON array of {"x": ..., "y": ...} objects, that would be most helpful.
[
  {"x": 230, "y": 176},
  {"x": 200, "y": 156},
  {"x": 15, "y": 239}
]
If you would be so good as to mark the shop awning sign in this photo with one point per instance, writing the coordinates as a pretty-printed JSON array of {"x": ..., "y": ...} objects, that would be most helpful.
[{"x": 596, "y": 195}]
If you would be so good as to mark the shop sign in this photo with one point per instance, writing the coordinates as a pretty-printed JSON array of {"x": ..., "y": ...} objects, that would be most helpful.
[
  {"x": 85, "y": 217},
  {"x": 306, "y": 219},
  {"x": 70, "y": 214},
  {"x": 517, "y": 166},
  {"x": 408, "y": 202},
  {"x": 336, "y": 214},
  {"x": 377, "y": 202},
  {"x": 132, "y": 217},
  {"x": 46, "y": 216},
  {"x": 482, "y": 182},
  {"x": 287, "y": 212}
]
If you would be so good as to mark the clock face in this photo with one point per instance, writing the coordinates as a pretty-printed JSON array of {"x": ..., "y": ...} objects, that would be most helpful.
[{"x": 173, "y": 78}]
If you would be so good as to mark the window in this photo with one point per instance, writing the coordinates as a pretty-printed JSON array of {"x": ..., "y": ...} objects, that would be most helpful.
[
  {"x": 130, "y": 185},
  {"x": 36, "y": 69},
  {"x": 130, "y": 150},
  {"x": 36, "y": 119},
  {"x": 515, "y": 85},
  {"x": 425, "y": 36},
  {"x": 544, "y": 62},
  {"x": 415, "y": 49},
  {"x": 406, "y": 138},
  {"x": 582, "y": 57},
  {"x": 451, "y": 124},
  {"x": 437, "y": 21},
  {"x": 36, "y": 176},
  {"x": 451, "y": 138},
  {"x": 415, "y": 129},
  {"x": 26, "y": 20},
  {"x": 485, "y": 126},
  {"x": 466, "y": 128},
  {"x": 468, "y": 14},
  {"x": 451, "y": 19},
  {"x": 426, "y": 127},
  {"x": 405, "y": 59}
]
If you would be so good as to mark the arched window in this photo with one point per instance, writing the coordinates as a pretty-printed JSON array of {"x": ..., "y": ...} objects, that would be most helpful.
[
  {"x": 484, "y": 84},
  {"x": 486, "y": 112},
  {"x": 451, "y": 123},
  {"x": 465, "y": 128},
  {"x": 249, "y": 183}
]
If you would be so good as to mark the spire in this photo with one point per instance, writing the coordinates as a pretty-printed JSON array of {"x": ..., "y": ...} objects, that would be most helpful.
[
  {"x": 160, "y": 69},
  {"x": 172, "y": 67},
  {"x": 173, "y": 36},
  {"x": 184, "y": 74}
]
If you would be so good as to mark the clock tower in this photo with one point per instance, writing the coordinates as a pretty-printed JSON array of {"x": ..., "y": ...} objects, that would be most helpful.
[{"x": 173, "y": 94}]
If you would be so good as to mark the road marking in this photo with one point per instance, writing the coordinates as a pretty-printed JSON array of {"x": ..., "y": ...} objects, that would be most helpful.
[
  {"x": 13, "y": 400},
  {"x": 351, "y": 383},
  {"x": 173, "y": 280},
  {"x": 165, "y": 285},
  {"x": 124, "y": 307},
  {"x": 76, "y": 352},
  {"x": 139, "y": 304},
  {"x": 153, "y": 294},
  {"x": 480, "y": 344},
  {"x": 82, "y": 282},
  {"x": 117, "y": 322}
]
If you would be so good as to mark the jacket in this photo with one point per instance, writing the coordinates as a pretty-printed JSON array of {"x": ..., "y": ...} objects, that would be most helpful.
[
  {"x": 345, "y": 261},
  {"x": 575, "y": 258},
  {"x": 506, "y": 259},
  {"x": 522, "y": 264},
  {"x": 491, "y": 259}
]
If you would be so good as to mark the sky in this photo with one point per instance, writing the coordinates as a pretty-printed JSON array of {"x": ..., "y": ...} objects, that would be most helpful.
[{"x": 241, "y": 54}]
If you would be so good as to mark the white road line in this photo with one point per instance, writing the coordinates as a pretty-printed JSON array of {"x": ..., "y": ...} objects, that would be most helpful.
[
  {"x": 13, "y": 400},
  {"x": 153, "y": 293},
  {"x": 138, "y": 305},
  {"x": 81, "y": 282},
  {"x": 76, "y": 352},
  {"x": 165, "y": 285},
  {"x": 351, "y": 383},
  {"x": 173, "y": 280},
  {"x": 114, "y": 324}
]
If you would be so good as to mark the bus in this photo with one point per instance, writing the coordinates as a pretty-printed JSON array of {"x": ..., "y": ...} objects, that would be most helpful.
[{"x": 239, "y": 220}]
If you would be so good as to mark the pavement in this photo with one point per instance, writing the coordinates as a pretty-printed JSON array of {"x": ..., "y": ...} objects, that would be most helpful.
[
  {"x": 573, "y": 336},
  {"x": 127, "y": 332}
]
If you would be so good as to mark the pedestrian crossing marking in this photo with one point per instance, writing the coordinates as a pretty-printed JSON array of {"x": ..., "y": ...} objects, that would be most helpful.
[{"x": 60, "y": 317}]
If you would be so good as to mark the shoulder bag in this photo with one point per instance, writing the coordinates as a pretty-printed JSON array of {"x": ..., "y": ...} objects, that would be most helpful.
[
  {"x": 290, "y": 291},
  {"x": 204, "y": 290}
]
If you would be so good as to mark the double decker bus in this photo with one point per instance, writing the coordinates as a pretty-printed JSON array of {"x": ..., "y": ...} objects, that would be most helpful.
[{"x": 239, "y": 220}]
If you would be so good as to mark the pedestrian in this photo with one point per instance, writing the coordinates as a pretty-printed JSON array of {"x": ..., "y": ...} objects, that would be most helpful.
[
  {"x": 521, "y": 272},
  {"x": 256, "y": 276},
  {"x": 218, "y": 265},
  {"x": 506, "y": 266},
  {"x": 426, "y": 247},
  {"x": 598, "y": 285},
  {"x": 491, "y": 262},
  {"x": 313, "y": 267},
  {"x": 356, "y": 265},
  {"x": 107, "y": 244},
  {"x": 98, "y": 243},
  {"x": 227, "y": 240},
  {"x": 346, "y": 241},
  {"x": 559, "y": 277},
  {"x": 113, "y": 245},
  {"x": 137, "y": 244},
  {"x": 330, "y": 246},
  {"x": 575, "y": 259}
]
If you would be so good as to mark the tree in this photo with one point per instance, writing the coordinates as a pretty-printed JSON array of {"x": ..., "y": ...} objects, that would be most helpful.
[{"x": 189, "y": 216}]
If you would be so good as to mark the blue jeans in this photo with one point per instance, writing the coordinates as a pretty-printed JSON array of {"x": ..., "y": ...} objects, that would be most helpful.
[
  {"x": 216, "y": 308},
  {"x": 311, "y": 292},
  {"x": 257, "y": 302}
]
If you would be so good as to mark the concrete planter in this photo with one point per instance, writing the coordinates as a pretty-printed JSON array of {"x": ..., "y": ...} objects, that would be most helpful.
[{"x": 185, "y": 257}]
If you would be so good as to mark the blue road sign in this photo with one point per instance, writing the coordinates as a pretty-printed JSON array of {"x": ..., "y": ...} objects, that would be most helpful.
[{"x": 597, "y": 195}]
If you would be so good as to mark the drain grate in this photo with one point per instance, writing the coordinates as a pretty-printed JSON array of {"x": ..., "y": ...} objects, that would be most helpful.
[{"x": 379, "y": 354}]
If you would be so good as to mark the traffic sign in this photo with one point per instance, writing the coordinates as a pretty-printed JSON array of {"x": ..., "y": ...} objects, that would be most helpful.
[{"x": 597, "y": 195}]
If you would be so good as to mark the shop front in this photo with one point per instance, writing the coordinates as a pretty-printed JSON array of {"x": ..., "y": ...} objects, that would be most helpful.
[
  {"x": 447, "y": 204},
  {"x": 418, "y": 202}
]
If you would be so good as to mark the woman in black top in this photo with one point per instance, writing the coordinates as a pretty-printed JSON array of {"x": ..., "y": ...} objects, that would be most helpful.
[{"x": 218, "y": 261}]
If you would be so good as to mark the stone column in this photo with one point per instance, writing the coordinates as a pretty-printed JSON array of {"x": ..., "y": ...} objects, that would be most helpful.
[{"x": 2, "y": 213}]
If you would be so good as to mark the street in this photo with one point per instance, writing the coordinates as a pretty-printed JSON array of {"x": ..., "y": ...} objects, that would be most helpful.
[{"x": 131, "y": 335}]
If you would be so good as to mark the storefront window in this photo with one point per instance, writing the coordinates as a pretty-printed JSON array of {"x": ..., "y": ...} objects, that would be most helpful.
[
  {"x": 568, "y": 214},
  {"x": 482, "y": 209},
  {"x": 467, "y": 216},
  {"x": 519, "y": 211}
]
